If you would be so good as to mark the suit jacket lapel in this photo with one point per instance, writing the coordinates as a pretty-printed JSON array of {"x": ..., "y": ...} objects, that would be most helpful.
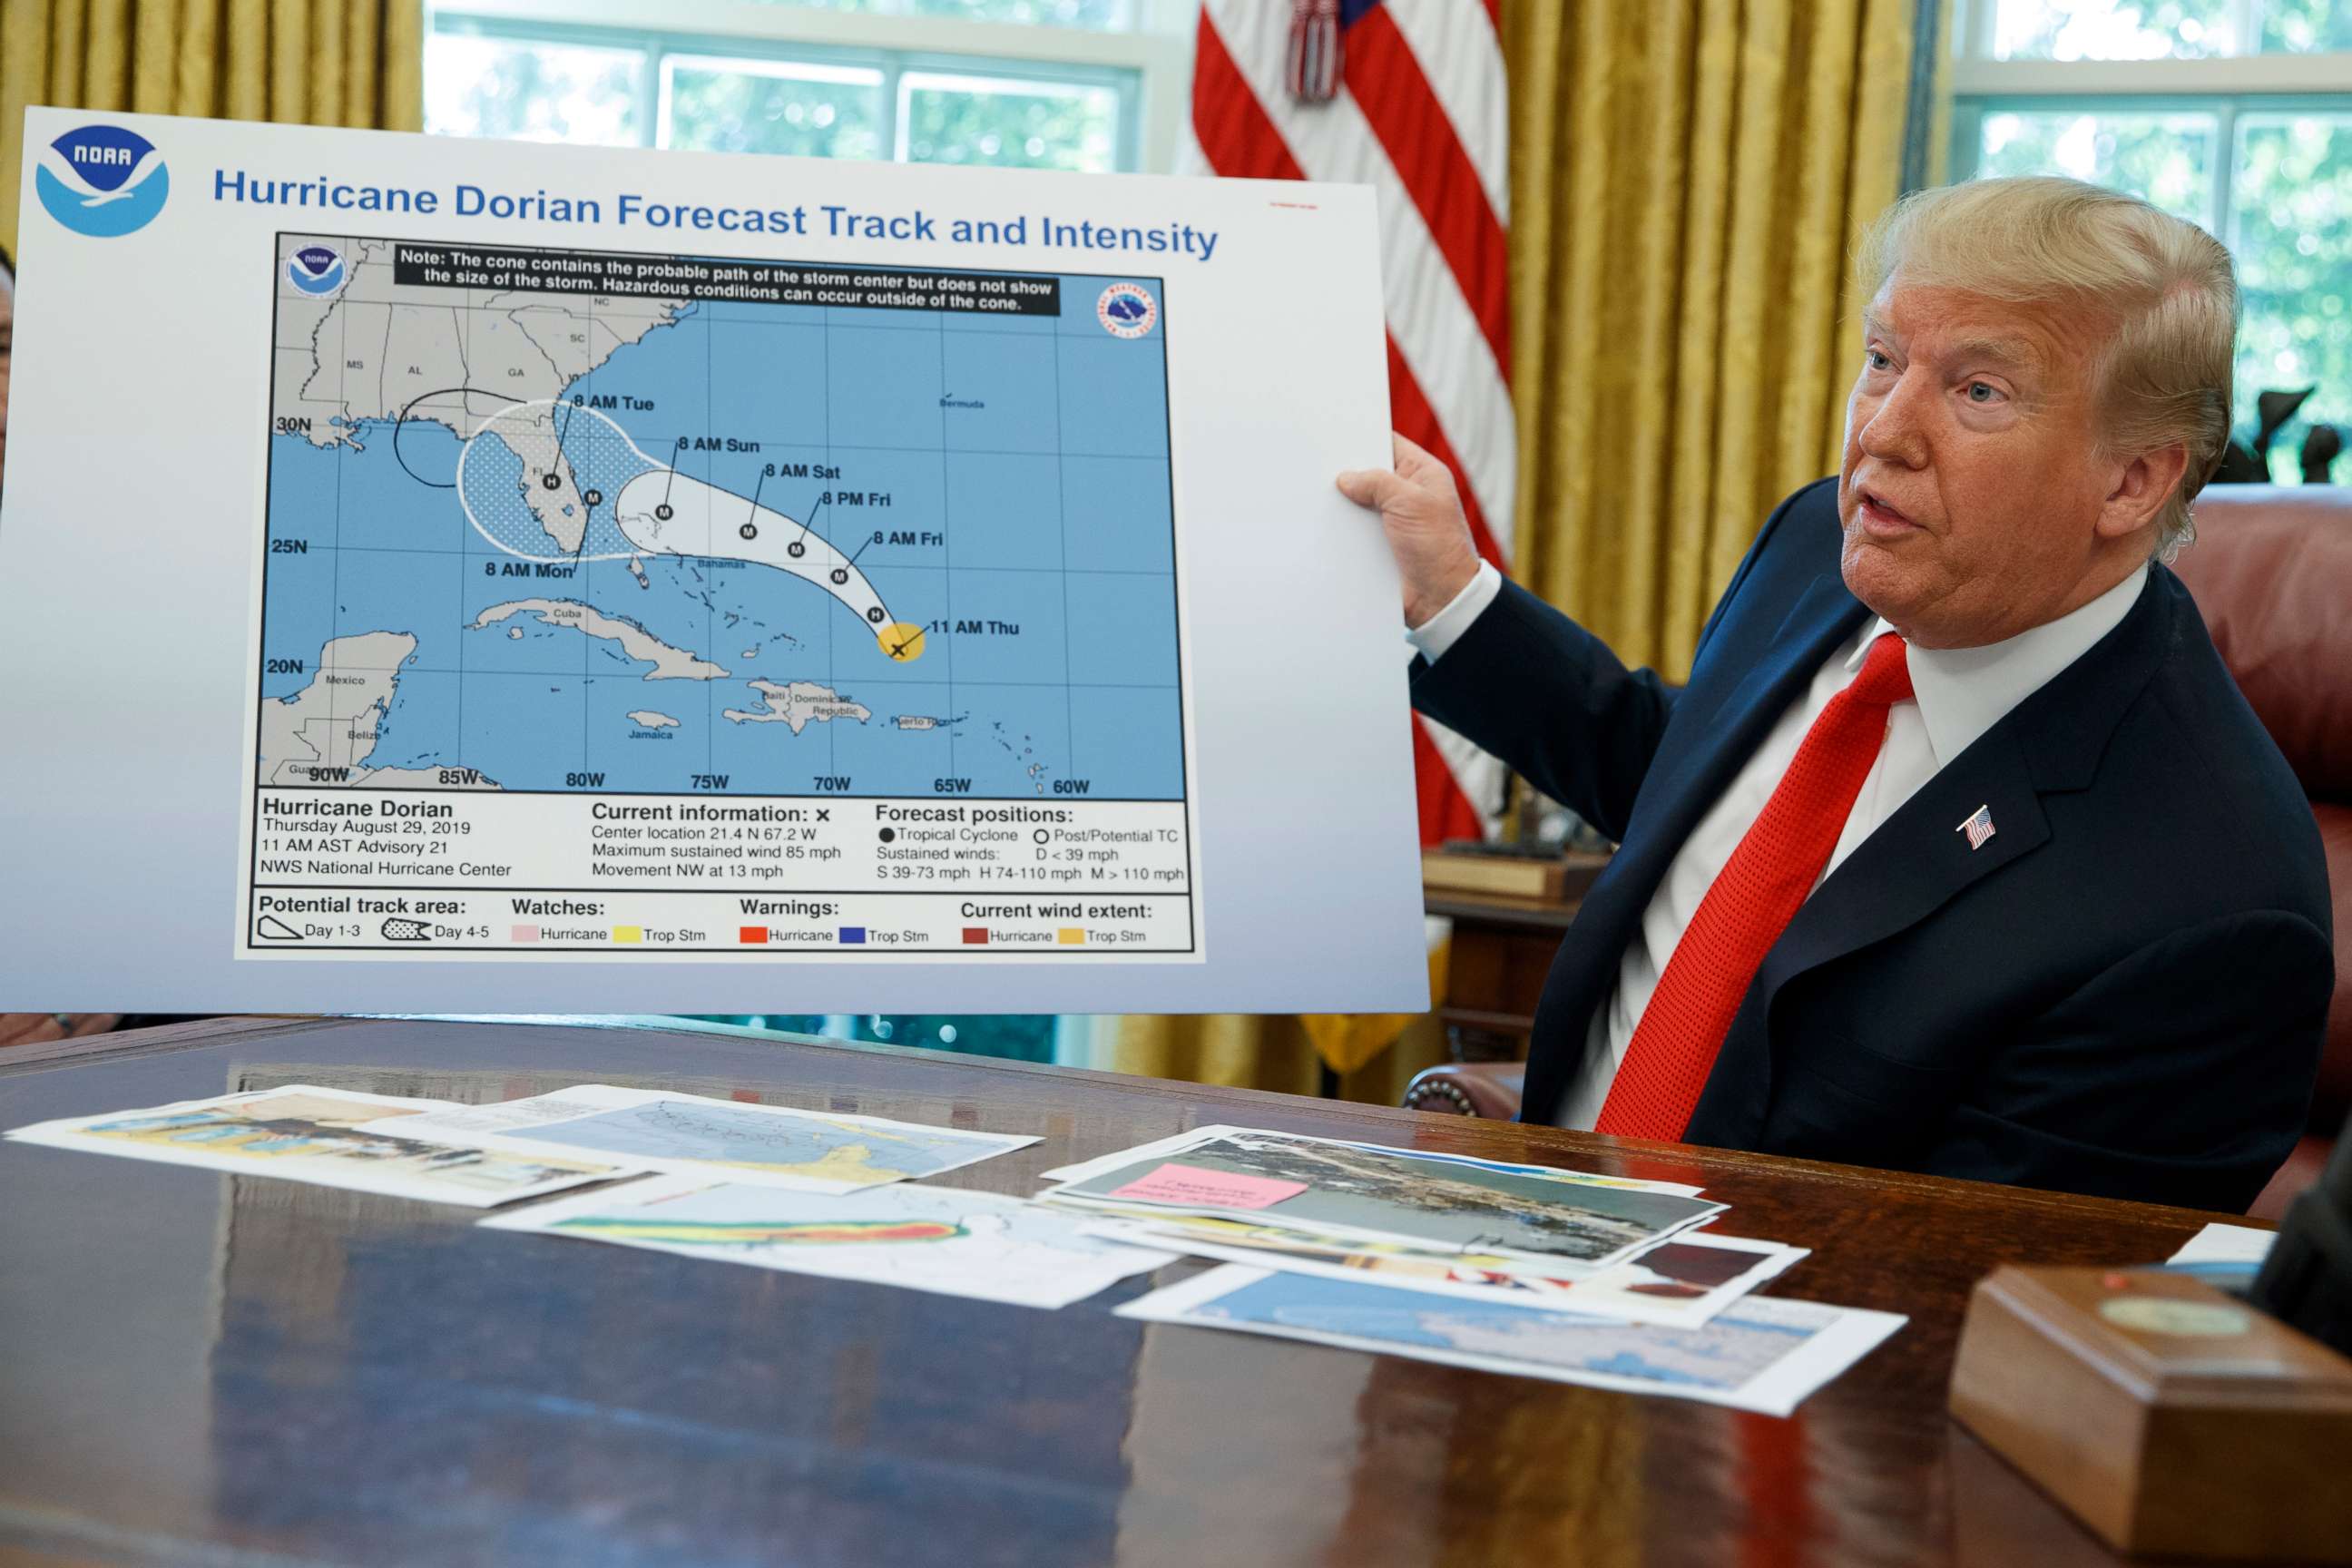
[{"x": 1712, "y": 739}]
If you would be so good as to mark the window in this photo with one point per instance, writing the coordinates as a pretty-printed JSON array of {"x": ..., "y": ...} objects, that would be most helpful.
[
  {"x": 2235, "y": 114},
  {"x": 1087, "y": 85}
]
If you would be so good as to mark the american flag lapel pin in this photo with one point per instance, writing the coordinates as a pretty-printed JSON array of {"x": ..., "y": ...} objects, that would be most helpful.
[{"x": 1978, "y": 828}]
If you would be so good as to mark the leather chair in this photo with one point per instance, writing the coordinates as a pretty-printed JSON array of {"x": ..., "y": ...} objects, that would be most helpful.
[{"x": 2271, "y": 570}]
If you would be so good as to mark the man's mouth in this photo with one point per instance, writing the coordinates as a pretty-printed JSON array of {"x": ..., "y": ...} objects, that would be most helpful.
[{"x": 1881, "y": 518}]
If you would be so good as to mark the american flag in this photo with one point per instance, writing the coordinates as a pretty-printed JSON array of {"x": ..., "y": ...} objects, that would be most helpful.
[
  {"x": 1978, "y": 826},
  {"x": 1408, "y": 97}
]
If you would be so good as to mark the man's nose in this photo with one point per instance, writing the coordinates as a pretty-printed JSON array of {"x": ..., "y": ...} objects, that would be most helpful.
[{"x": 1894, "y": 432}]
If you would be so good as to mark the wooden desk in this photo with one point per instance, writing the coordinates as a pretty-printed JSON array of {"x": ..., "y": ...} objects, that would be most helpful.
[{"x": 196, "y": 1368}]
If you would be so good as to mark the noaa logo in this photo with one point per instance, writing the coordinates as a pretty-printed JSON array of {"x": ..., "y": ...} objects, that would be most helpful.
[
  {"x": 315, "y": 270},
  {"x": 102, "y": 180},
  {"x": 1126, "y": 310}
]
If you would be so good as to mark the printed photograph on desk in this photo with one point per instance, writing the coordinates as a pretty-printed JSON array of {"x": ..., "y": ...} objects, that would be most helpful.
[
  {"x": 1176, "y": 1142},
  {"x": 1444, "y": 1202},
  {"x": 736, "y": 1141},
  {"x": 331, "y": 1137},
  {"x": 1681, "y": 1282},
  {"x": 1763, "y": 1354},
  {"x": 946, "y": 1240}
]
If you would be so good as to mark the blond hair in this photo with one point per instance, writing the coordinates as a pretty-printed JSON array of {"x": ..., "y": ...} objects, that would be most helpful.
[{"x": 2166, "y": 287}]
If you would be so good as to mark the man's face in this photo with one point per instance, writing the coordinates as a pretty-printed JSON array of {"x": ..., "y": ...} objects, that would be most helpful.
[{"x": 1971, "y": 489}]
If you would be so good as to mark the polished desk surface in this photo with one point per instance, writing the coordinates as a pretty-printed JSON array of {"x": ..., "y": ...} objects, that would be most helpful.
[{"x": 196, "y": 1368}]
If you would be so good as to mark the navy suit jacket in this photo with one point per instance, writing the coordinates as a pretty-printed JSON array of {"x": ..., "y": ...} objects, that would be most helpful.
[{"x": 2121, "y": 993}]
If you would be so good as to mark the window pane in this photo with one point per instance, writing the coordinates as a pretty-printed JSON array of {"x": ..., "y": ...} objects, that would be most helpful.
[
  {"x": 2115, "y": 29},
  {"x": 753, "y": 106},
  {"x": 1096, "y": 14},
  {"x": 2165, "y": 158},
  {"x": 1007, "y": 121},
  {"x": 1028, "y": 1038},
  {"x": 531, "y": 91},
  {"x": 1101, "y": 14},
  {"x": 2293, "y": 241},
  {"x": 2303, "y": 27}
]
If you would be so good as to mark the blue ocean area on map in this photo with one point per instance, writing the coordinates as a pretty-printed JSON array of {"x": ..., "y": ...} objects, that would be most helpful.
[
  {"x": 1723, "y": 1354},
  {"x": 1001, "y": 482}
]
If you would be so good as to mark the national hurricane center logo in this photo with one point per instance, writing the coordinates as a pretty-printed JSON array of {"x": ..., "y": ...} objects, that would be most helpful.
[
  {"x": 315, "y": 270},
  {"x": 1126, "y": 310},
  {"x": 103, "y": 181}
]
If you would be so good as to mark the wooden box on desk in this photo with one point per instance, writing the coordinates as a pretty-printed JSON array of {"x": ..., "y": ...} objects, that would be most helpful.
[{"x": 2170, "y": 1418}]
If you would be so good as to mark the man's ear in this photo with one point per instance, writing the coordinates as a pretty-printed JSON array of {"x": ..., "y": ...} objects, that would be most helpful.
[{"x": 2141, "y": 489}]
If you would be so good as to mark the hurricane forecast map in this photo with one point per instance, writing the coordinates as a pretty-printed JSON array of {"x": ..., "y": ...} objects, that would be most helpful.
[{"x": 615, "y": 602}]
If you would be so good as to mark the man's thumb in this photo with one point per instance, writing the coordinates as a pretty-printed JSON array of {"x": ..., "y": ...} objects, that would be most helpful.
[{"x": 1369, "y": 487}]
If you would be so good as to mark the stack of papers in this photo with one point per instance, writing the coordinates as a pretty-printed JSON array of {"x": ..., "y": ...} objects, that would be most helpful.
[
  {"x": 946, "y": 1240},
  {"x": 660, "y": 1129},
  {"x": 803, "y": 1192},
  {"x": 1544, "y": 1273},
  {"x": 1524, "y": 1269},
  {"x": 331, "y": 1137}
]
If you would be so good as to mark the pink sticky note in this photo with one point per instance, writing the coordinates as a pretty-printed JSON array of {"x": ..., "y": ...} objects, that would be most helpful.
[{"x": 1173, "y": 1184}]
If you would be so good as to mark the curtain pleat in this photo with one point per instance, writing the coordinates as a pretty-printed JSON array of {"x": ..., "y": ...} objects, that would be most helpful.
[
  {"x": 317, "y": 62},
  {"x": 1687, "y": 181}
]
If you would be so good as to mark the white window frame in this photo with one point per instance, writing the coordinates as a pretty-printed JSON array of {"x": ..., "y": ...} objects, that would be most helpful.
[
  {"x": 2225, "y": 87},
  {"x": 1976, "y": 74},
  {"x": 1158, "y": 48}
]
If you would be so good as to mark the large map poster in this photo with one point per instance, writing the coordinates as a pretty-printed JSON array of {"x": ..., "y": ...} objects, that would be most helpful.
[
  {"x": 485, "y": 577},
  {"x": 823, "y": 598}
]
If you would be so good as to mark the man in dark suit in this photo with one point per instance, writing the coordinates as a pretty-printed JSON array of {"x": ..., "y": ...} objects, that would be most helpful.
[{"x": 1960, "y": 852}]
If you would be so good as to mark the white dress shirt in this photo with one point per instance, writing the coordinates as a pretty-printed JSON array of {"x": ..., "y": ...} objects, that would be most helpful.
[{"x": 1956, "y": 695}]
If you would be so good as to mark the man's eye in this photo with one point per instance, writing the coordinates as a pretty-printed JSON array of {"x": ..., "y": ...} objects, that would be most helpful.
[
  {"x": 1982, "y": 391},
  {"x": 1876, "y": 359}
]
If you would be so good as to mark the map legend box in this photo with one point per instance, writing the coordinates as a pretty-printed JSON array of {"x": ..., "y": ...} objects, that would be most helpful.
[
  {"x": 975, "y": 934},
  {"x": 523, "y": 933},
  {"x": 752, "y": 934},
  {"x": 1070, "y": 936},
  {"x": 853, "y": 936},
  {"x": 630, "y": 934}
]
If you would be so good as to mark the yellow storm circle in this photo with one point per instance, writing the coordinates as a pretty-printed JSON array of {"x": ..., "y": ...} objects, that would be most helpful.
[{"x": 902, "y": 640}]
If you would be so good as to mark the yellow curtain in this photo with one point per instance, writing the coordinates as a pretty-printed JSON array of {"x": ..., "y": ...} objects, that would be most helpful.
[
  {"x": 1686, "y": 182},
  {"x": 307, "y": 62},
  {"x": 1687, "y": 178}
]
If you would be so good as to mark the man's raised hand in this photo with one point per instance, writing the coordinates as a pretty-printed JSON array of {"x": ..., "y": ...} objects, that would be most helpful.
[{"x": 1427, "y": 530}]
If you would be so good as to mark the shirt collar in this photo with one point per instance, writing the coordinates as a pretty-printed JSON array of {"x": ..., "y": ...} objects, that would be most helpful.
[{"x": 1964, "y": 691}]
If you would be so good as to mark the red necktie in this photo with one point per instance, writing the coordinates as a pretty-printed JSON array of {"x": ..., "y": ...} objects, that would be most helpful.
[{"x": 1754, "y": 897}]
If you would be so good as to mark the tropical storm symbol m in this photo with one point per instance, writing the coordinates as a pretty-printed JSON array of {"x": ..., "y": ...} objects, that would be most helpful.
[{"x": 586, "y": 491}]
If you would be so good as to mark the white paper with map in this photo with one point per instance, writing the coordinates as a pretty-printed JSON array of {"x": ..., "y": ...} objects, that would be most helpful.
[
  {"x": 766, "y": 1146},
  {"x": 329, "y": 1137},
  {"x": 1762, "y": 1353},
  {"x": 945, "y": 1240},
  {"x": 1681, "y": 1282},
  {"x": 610, "y": 580},
  {"x": 1429, "y": 1199}
]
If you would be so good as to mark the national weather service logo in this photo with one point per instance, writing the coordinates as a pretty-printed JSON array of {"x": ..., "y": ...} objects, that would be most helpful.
[
  {"x": 315, "y": 270},
  {"x": 102, "y": 180},
  {"x": 1126, "y": 310}
]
